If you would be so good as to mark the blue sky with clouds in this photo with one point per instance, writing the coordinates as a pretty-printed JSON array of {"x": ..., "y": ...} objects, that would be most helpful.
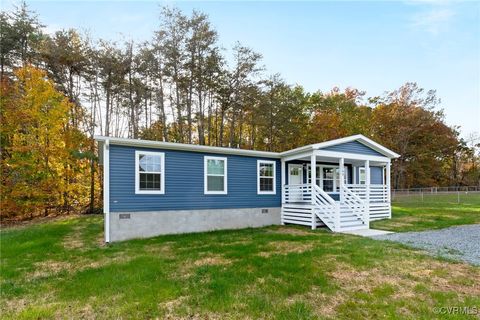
[{"x": 373, "y": 46}]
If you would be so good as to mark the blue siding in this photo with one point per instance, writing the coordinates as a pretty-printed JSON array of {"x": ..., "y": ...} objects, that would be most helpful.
[
  {"x": 376, "y": 174},
  {"x": 184, "y": 183},
  {"x": 354, "y": 147}
]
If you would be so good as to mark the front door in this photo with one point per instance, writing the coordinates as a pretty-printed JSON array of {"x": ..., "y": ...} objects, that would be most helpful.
[
  {"x": 295, "y": 174},
  {"x": 295, "y": 179}
]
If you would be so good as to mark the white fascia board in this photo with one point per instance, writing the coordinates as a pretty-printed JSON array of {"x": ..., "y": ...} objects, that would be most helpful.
[
  {"x": 297, "y": 155},
  {"x": 296, "y": 151},
  {"x": 187, "y": 147},
  {"x": 350, "y": 156},
  {"x": 362, "y": 139}
]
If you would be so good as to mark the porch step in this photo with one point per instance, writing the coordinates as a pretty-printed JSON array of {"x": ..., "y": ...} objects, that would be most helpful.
[{"x": 350, "y": 218}]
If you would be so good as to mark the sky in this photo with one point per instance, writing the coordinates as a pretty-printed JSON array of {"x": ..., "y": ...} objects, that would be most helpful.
[{"x": 374, "y": 46}]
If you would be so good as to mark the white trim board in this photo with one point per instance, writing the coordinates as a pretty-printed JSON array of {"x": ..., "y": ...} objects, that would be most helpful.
[
  {"x": 225, "y": 175},
  {"x": 137, "y": 172},
  {"x": 274, "y": 177},
  {"x": 251, "y": 153},
  {"x": 360, "y": 138},
  {"x": 187, "y": 147},
  {"x": 106, "y": 189}
]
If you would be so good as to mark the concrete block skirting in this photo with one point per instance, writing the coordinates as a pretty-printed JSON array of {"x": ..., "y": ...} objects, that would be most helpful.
[{"x": 129, "y": 225}]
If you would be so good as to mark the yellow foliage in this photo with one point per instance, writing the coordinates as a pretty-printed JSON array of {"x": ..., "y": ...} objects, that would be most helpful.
[{"x": 39, "y": 168}]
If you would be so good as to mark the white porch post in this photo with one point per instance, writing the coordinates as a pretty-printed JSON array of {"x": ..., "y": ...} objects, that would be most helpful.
[
  {"x": 387, "y": 182},
  {"x": 282, "y": 175},
  {"x": 354, "y": 174},
  {"x": 367, "y": 193},
  {"x": 341, "y": 172},
  {"x": 313, "y": 175}
]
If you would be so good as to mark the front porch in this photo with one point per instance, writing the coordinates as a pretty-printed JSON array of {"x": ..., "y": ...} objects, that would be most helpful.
[{"x": 349, "y": 189}]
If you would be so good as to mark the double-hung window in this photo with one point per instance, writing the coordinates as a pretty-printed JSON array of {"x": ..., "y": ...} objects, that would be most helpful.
[
  {"x": 362, "y": 176},
  {"x": 266, "y": 177},
  {"x": 215, "y": 180},
  {"x": 149, "y": 172}
]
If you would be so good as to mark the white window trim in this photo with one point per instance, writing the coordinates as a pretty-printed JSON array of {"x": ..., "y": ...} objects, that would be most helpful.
[
  {"x": 205, "y": 179},
  {"x": 360, "y": 169},
  {"x": 274, "y": 176},
  {"x": 137, "y": 172},
  {"x": 309, "y": 173}
]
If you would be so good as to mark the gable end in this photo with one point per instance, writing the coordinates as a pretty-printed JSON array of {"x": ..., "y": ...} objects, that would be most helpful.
[{"x": 354, "y": 147}]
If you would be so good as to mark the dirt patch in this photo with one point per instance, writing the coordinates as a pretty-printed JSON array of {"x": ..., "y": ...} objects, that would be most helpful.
[
  {"x": 211, "y": 261},
  {"x": 171, "y": 305},
  {"x": 48, "y": 268},
  {"x": 171, "y": 312},
  {"x": 14, "y": 305},
  {"x": 366, "y": 280},
  {"x": 12, "y": 224},
  {"x": 291, "y": 231},
  {"x": 442, "y": 276},
  {"x": 286, "y": 247},
  {"x": 51, "y": 267},
  {"x": 162, "y": 250},
  {"x": 325, "y": 305},
  {"x": 405, "y": 275},
  {"x": 73, "y": 240}
]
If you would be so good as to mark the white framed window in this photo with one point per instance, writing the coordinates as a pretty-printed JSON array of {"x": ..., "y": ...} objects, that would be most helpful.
[
  {"x": 266, "y": 180},
  {"x": 149, "y": 172},
  {"x": 215, "y": 175},
  {"x": 362, "y": 175},
  {"x": 327, "y": 177}
]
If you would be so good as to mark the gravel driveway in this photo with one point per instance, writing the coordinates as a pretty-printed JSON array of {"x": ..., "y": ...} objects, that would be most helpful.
[{"x": 460, "y": 243}]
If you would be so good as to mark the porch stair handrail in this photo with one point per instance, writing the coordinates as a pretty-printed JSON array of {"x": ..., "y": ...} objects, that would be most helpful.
[
  {"x": 355, "y": 203},
  {"x": 326, "y": 208}
]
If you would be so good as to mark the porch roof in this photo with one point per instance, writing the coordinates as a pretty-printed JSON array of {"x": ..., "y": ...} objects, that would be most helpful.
[{"x": 318, "y": 148}]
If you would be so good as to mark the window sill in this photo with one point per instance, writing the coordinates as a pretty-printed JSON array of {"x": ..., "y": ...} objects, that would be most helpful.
[
  {"x": 149, "y": 192},
  {"x": 207, "y": 193}
]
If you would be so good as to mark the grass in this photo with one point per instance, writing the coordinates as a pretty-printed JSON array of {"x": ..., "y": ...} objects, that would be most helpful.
[
  {"x": 61, "y": 269},
  {"x": 434, "y": 212}
]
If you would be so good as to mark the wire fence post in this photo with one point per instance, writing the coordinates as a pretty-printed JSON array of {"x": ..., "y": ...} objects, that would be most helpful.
[
  {"x": 458, "y": 196},
  {"x": 422, "y": 195}
]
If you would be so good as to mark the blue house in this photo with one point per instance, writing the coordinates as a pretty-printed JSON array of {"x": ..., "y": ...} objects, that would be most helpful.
[{"x": 153, "y": 188}]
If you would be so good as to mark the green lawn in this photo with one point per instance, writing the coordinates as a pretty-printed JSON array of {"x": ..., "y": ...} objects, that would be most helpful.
[
  {"x": 434, "y": 212},
  {"x": 61, "y": 269}
]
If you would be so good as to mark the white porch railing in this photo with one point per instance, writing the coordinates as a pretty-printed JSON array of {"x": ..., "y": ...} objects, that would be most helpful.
[
  {"x": 305, "y": 206},
  {"x": 378, "y": 192},
  {"x": 379, "y": 199},
  {"x": 326, "y": 209},
  {"x": 298, "y": 193},
  {"x": 354, "y": 204}
]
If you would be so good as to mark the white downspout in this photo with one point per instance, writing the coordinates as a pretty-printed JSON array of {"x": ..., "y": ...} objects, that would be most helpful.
[
  {"x": 388, "y": 182},
  {"x": 367, "y": 193},
  {"x": 106, "y": 189},
  {"x": 282, "y": 175},
  {"x": 313, "y": 179}
]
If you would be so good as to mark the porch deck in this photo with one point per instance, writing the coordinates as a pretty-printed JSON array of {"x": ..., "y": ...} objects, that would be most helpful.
[{"x": 356, "y": 207}]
